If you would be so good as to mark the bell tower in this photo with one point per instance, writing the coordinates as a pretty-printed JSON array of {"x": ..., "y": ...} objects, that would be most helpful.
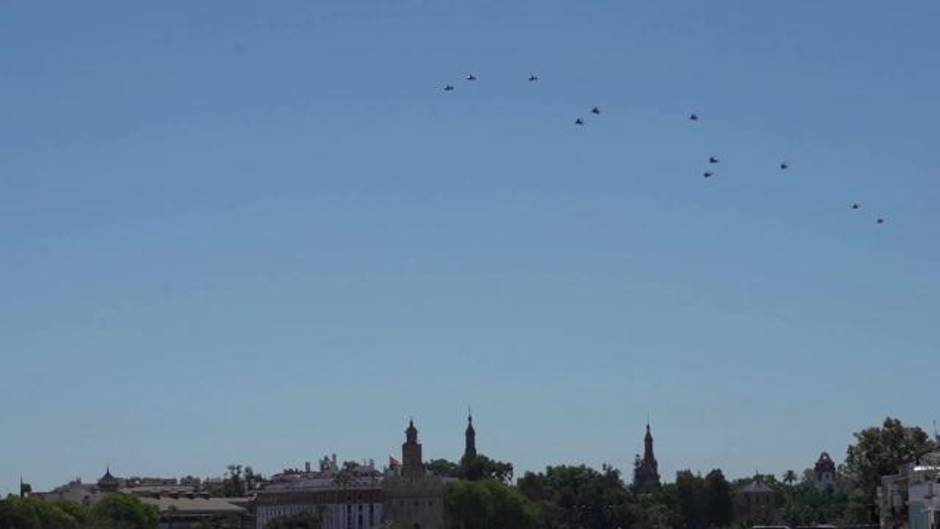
[
  {"x": 412, "y": 466},
  {"x": 470, "y": 445}
]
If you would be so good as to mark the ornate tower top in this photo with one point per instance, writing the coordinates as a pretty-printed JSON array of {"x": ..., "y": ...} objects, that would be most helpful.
[
  {"x": 411, "y": 453},
  {"x": 646, "y": 470},
  {"x": 108, "y": 483},
  {"x": 470, "y": 445},
  {"x": 411, "y": 433}
]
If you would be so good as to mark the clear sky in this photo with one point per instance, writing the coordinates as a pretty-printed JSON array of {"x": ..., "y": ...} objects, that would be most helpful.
[{"x": 237, "y": 231}]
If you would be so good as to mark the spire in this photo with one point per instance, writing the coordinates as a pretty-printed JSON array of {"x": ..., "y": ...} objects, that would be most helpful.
[
  {"x": 646, "y": 470},
  {"x": 470, "y": 435}
]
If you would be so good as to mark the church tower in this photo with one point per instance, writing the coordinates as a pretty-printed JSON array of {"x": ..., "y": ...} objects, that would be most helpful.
[
  {"x": 108, "y": 483},
  {"x": 646, "y": 470},
  {"x": 412, "y": 467},
  {"x": 470, "y": 445}
]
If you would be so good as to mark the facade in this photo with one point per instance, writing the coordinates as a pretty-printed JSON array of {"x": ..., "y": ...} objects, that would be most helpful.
[
  {"x": 910, "y": 499},
  {"x": 179, "y": 506},
  {"x": 824, "y": 473},
  {"x": 646, "y": 470},
  {"x": 348, "y": 498},
  {"x": 755, "y": 504},
  {"x": 84, "y": 493},
  {"x": 75, "y": 491},
  {"x": 413, "y": 497},
  {"x": 188, "y": 511},
  {"x": 359, "y": 497}
]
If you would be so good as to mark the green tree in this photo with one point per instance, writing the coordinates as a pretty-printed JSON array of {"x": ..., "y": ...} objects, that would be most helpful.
[
  {"x": 32, "y": 513},
  {"x": 688, "y": 499},
  {"x": 122, "y": 511},
  {"x": 480, "y": 467},
  {"x": 234, "y": 483},
  {"x": 487, "y": 504},
  {"x": 716, "y": 500},
  {"x": 806, "y": 504},
  {"x": 579, "y": 497},
  {"x": 789, "y": 477},
  {"x": 879, "y": 451},
  {"x": 443, "y": 468}
]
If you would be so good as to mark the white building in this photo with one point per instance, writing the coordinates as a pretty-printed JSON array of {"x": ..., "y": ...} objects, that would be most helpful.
[
  {"x": 910, "y": 499},
  {"x": 343, "y": 499}
]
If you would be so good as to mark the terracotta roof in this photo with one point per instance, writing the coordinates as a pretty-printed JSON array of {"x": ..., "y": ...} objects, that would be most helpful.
[
  {"x": 756, "y": 486},
  {"x": 183, "y": 505}
]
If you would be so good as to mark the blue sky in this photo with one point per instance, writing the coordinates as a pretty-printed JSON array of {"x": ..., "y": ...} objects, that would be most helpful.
[{"x": 235, "y": 232}]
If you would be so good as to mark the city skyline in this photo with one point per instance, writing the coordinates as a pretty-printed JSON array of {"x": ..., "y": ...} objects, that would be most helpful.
[
  {"x": 235, "y": 232},
  {"x": 626, "y": 468}
]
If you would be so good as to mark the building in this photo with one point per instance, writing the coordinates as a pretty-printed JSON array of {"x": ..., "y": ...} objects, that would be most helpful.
[
  {"x": 413, "y": 497},
  {"x": 470, "y": 438},
  {"x": 824, "y": 473},
  {"x": 189, "y": 510},
  {"x": 348, "y": 498},
  {"x": 755, "y": 504},
  {"x": 84, "y": 493},
  {"x": 180, "y": 506},
  {"x": 910, "y": 499},
  {"x": 359, "y": 496},
  {"x": 646, "y": 469}
]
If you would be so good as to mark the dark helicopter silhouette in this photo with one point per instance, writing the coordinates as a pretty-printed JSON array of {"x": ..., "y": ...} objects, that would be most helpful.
[
  {"x": 471, "y": 77},
  {"x": 579, "y": 121},
  {"x": 595, "y": 110},
  {"x": 712, "y": 159},
  {"x": 533, "y": 77},
  {"x": 693, "y": 117},
  {"x": 449, "y": 88},
  {"x": 784, "y": 166},
  {"x": 708, "y": 174}
]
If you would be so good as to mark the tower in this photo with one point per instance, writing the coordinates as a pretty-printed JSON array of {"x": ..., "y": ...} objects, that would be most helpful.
[
  {"x": 26, "y": 490},
  {"x": 646, "y": 470},
  {"x": 470, "y": 444},
  {"x": 108, "y": 483},
  {"x": 412, "y": 466},
  {"x": 825, "y": 472}
]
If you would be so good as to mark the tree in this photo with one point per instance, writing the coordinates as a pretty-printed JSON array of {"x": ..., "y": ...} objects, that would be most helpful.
[
  {"x": 122, "y": 511},
  {"x": 32, "y": 513},
  {"x": 252, "y": 480},
  {"x": 716, "y": 500},
  {"x": 580, "y": 497},
  {"x": 479, "y": 467},
  {"x": 234, "y": 484},
  {"x": 879, "y": 451},
  {"x": 688, "y": 499},
  {"x": 806, "y": 504},
  {"x": 789, "y": 477},
  {"x": 443, "y": 468},
  {"x": 487, "y": 504}
]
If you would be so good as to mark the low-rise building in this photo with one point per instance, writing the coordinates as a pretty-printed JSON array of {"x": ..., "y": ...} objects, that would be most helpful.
[
  {"x": 358, "y": 496},
  {"x": 910, "y": 499},
  {"x": 755, "y": 504}
]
